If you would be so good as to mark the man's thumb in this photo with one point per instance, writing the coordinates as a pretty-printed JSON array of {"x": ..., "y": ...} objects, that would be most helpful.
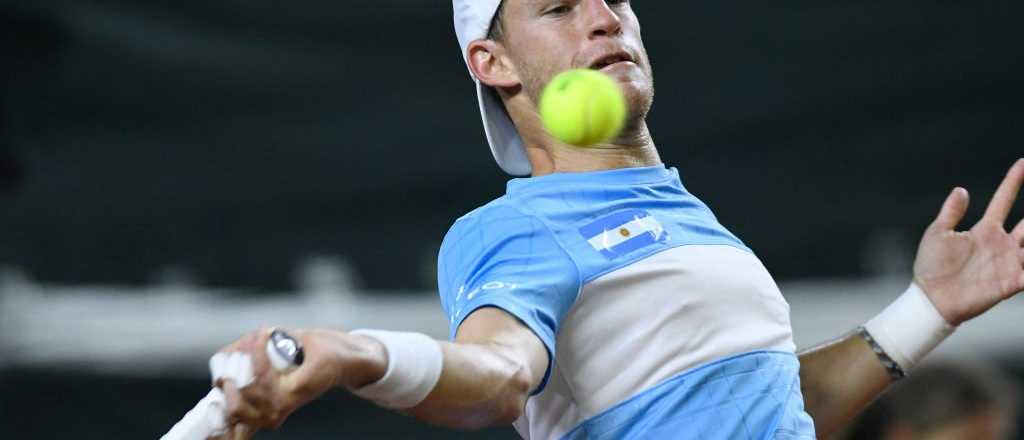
[{"x": 953, "y": 210}]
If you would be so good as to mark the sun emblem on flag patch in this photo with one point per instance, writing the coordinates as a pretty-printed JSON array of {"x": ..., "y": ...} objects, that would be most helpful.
[{"x": 622, "y": 232}]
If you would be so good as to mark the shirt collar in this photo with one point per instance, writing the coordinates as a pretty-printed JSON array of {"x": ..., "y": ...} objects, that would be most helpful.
[{"x": 626, "y": 176}]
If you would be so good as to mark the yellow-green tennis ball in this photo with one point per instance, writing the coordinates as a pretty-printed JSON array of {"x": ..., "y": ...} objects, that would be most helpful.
[{"x": 583, "y": 107}]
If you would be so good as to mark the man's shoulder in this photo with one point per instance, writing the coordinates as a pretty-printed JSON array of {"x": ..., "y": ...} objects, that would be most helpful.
[
  {"x": 499, "y": 207},
  {"x": 485, "y": 223},
  {"x": 501, "y": 214},
  {"x": 503, "y": 229}
]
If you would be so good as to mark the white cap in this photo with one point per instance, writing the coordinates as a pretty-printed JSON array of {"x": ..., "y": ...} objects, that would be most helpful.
[{"x": 472, "y": 22}]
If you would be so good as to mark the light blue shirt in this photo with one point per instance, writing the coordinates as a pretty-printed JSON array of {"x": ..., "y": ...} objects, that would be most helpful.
[{"x": 534, "y": 251}]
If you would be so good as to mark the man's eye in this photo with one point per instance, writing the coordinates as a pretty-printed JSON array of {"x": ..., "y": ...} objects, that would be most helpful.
[{"x": 559, "y": 10}]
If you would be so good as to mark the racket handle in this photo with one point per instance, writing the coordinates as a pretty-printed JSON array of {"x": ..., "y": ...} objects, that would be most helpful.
[
  {"x": 284, "y": 352},
  {"x": 207, "y": 420},
  {"x": 204, "y": 421}
]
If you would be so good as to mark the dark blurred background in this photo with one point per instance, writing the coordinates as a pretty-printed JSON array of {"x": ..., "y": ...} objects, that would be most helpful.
[{"x": 230, "y": 140}]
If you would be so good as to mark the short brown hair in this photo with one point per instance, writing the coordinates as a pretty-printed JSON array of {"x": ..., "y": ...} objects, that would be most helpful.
[{"x": 497, "y": 30}]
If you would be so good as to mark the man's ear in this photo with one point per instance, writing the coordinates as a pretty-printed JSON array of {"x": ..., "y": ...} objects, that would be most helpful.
[{"x": 489, "y": 64}]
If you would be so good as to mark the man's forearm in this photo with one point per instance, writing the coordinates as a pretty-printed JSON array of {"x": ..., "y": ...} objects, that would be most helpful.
[
  {"x": 838, "y": 379},
  {"x": 481, "y": 383},
  {"x": 480, "y": 386}
]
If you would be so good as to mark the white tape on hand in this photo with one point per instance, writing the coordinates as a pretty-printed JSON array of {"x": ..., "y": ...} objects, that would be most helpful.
[{"x": 234, "y": 366}]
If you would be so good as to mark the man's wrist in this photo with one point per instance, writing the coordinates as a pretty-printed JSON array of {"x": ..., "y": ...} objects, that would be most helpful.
[
  {"x": 892, "y": 367},
  {"x": 355, "y": 360},
  {"x": 941, "y": 302},
  {"x": 909, "y": 328},
  {"x": 413, "y": 367}
]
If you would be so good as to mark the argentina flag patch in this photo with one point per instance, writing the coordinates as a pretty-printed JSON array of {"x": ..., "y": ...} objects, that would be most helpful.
[{"x": 623, "y": 232}]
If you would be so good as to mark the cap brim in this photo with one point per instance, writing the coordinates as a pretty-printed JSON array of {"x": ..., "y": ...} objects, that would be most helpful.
[{"x": 506, "y": 144}]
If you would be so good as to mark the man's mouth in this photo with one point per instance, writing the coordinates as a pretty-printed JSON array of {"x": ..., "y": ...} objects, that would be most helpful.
[{"x": 610, "y": 59}]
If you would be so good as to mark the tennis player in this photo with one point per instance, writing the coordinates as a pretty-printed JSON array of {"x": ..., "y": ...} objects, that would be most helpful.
[{"x": 600, "y": 299}]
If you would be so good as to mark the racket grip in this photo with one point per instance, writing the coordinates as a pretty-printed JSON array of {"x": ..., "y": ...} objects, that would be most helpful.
[
  {"x": 204, "y": 421},
  {"x": 284, "y": 352},
  {"x": 207, "y": 420}
]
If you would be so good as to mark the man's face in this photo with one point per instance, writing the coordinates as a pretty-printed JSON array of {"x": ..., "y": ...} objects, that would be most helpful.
[{"x": 547, "y": 37}]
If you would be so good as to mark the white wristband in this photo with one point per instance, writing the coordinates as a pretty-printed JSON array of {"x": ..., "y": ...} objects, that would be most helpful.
[
  {"x": 910, "y": 328},
  {"x": 414, "y": 367}
]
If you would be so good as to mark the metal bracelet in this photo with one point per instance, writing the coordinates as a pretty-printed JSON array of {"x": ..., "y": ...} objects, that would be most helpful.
[{"x": 895, "y": 371}]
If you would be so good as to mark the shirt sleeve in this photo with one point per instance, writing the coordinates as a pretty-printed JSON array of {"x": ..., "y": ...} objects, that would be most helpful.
[{"x": 499, "y": 257}]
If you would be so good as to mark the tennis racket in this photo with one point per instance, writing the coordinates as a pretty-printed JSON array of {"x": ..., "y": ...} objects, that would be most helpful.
[{"x": 208, "y": 419}]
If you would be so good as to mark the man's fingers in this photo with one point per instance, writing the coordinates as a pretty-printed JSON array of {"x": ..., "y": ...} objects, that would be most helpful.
[
  {"x": 238, "y": 408},
  {"x": 1006, "y": 195},
  {"x": 242, "y": 431},
  {"x": 1018, "y": 233},
  {"x": 953, "y": 210}
]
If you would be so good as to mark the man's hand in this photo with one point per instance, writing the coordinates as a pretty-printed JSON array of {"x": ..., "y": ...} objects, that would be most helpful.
[
  {"x": 487, "y": 375},
  {"x": 332, "y": 359},
  {"x": 966, "y": 273},
  {"x": 963, "y": 273}
]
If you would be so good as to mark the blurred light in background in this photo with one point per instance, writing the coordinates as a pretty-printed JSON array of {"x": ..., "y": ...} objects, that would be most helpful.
[{"x": 173, "y": 174}]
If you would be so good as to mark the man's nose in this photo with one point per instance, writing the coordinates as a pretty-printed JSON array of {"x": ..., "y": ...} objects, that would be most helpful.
[{"x": 601, "y": 19}]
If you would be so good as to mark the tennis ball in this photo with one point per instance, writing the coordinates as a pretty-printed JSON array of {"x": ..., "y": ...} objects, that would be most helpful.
[{"x": 583, "y": 107}]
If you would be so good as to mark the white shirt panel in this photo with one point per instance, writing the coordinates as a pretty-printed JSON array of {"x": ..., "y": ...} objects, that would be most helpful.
[{"x": 640, "y": 325}]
